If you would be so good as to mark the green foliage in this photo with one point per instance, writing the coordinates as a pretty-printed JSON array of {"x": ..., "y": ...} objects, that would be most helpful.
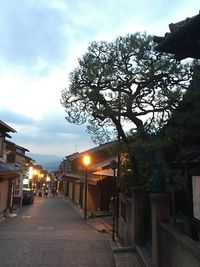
[
  {"x": 124, "y": 82},
  {"x": 182, "y": 131},
  {"x": 125, "y": 87}
]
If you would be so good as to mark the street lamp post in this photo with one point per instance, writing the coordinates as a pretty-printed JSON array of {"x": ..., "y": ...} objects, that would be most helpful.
[
  {"x": 113, "y": 166},
  {"x": 86, "y": 162}
]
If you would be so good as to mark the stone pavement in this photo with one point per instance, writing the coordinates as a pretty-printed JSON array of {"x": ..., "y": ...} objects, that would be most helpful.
[
  {"x": 51, "y": 233},
  {"x": 126, "y": 259},
  {"x": 123, "y": 256}
]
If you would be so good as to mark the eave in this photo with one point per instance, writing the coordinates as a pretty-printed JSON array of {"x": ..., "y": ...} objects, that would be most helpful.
[
  {"x": 6, "y": 128},
  {"x": 183, "y": 41}
]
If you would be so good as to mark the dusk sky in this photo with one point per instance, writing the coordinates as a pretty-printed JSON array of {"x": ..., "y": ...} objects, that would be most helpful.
[{"x": 40, "y": 43}]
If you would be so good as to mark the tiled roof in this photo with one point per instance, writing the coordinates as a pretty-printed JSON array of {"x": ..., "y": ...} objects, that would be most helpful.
[
  {"x": 182, "y": 40},
  {"x": 90, "y": 151},
  {"x": 8, "y": 171},
  {"x": 6, "y": 167},
  {"x": 102, "y": 164},
  {"x": 106, "y": 172},
  {"x": 190, "y": 157},
  {"x": 5, "y": 127},
  {"x": 73, "y": 175}
]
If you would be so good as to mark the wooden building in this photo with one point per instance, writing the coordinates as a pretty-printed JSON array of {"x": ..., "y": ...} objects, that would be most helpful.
[
  {"x": 8, "y": 172},
  {"x": 17, "y": 156},
  {"x": 100, "y": 180}
]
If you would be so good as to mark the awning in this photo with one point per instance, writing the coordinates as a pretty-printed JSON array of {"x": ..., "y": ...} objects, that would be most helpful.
[
  {"x": 8, "y": 171},
  {"x": 7, "y": 167},
  {"x": 73, "y": 175},
  {"x": 105, "y": 172},
  {"x": 93, "y": 180},
  {"x": 102, "y": 164},
  {"x": 93, "y": 177},
  {"x": 12, "y": 175}
]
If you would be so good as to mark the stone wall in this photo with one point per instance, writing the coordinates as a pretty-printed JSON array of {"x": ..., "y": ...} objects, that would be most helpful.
[
  {"x": 125, "y": 223},
  {"x": 177, "y": 249},
  {"x": 169, "y": 248}
]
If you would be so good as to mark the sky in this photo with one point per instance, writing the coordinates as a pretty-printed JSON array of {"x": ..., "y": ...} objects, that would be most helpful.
[{"x": 41, "y": 41}]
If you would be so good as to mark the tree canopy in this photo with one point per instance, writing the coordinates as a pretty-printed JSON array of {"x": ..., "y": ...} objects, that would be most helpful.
[
  {"x": 182, "y": 131},
  {"x": 123, "y": 86}
]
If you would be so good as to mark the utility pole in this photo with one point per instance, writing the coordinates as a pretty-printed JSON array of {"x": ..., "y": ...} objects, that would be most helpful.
[
  {"x": 113, "y": 166},
  {"x": 118, "y": 160}
]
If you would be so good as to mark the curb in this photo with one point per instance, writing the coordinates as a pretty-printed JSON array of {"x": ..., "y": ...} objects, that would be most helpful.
[
  {"x": 124, "y": 250},
  {"x": 126, "y": 259},
  {"x": 3, "y": 219}
]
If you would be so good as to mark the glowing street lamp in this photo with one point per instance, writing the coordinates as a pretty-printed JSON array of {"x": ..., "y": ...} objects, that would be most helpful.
[
  {"x": 48, "y": 179},
  {"x": 35, "y": 172},
  {"x": 86, "y": 160},
  {"x": 86, "y": 163}
]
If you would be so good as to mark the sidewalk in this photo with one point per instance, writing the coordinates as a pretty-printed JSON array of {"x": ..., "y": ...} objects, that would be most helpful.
[{"x": 123, "y": 256}]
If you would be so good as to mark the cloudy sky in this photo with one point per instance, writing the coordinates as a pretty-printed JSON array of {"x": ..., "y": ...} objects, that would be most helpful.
[{"x": 40, "y": 43}]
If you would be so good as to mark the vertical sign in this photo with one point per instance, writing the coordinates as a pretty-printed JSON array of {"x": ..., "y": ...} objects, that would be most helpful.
[{"x": 196, "y": 196}]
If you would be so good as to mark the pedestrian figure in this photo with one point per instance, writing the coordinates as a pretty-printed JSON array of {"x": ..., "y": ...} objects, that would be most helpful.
[
  {"x": 46, "y": 192},
  {"x": 40, "y": 193},
  {"x": 53, "y": 192}
]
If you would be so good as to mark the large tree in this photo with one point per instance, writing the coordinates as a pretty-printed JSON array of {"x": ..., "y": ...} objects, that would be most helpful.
[
  {"x": 181, "y": 134},
  {"x": 124, "y": 86}
]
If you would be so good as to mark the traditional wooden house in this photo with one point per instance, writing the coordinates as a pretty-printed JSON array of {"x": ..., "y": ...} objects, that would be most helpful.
[
  {"x": 100, "y": 178},
  {"x": 8, "y": 172},
  {"x": 17, "y": 156}
]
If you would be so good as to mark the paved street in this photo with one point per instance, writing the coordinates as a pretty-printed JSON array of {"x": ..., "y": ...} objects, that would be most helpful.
[{"x": 51, "y": 233}]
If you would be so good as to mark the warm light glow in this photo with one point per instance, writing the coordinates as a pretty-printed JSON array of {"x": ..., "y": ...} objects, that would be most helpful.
[
  {"x": 48, "y": 179},
  {"x": 35, "y": 172},
  {"x": 30, "y": 173},
  {"x": 25, "y": 181},
  {"x": 41, "y": 175},
  {"x": 86, "y": 160}
]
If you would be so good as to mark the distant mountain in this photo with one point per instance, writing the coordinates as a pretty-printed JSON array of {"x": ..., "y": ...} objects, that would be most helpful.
[{"x": 49, "y": 162}]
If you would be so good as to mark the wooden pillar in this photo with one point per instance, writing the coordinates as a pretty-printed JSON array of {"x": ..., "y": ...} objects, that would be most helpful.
[
  {"x": 160, "y": 210},
  {"x": 138, "y": 214},
  {"x": 9, "y": 204},
  {"x": 73, "y": 191}
]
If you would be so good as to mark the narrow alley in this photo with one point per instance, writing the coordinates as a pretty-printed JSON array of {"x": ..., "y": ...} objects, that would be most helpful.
[{"x": 51, "y": 233}]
